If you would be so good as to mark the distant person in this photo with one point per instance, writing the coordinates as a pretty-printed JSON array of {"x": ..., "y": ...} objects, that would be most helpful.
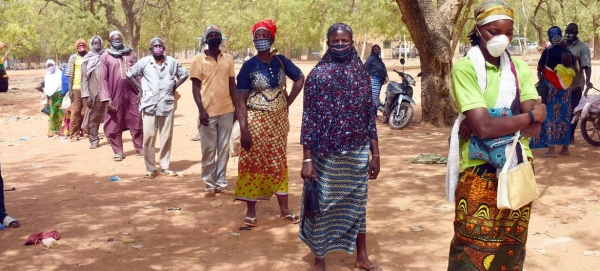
[
  {"x": 78, "y": 107},
  {"x": 263, "y": 113},
  {"x": 7, "y": 221},
  {"x": 556, "y": 128},
  {"x": 3, "y": 75},
  {"x": 583, "y": 67},
  {"x": 378, "y": 73},
  {"x": 120, "y": 96},
  {"x": 213, "y": 87},
  {"x": 161, "y": 76},
  {"x": 52, "y": 88},
  {"x": 90, "y": 91}
]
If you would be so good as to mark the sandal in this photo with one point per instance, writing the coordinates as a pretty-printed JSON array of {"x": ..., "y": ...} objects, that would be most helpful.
[
  {"x": 150, "y": 174},
  {"x": 292, "y": 218},
  {"x": 250, "y": 221},
  {"x": 118, "y": 157},
  {"x": 372, "y": 267},
  {"x": 168, "y": 173},
  {"x": 10, "y": 222}
]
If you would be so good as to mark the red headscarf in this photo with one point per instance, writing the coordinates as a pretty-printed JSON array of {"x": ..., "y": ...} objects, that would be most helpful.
[
  {"x": 80, "y": 41},
  {"x": 269, "y": 25}
]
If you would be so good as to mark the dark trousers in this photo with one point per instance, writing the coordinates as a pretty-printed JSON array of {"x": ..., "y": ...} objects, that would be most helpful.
[
  {"x": 2, "y": 207},
  {"x": 575, "y": 98},
  {"x": 3, "y": 84}
]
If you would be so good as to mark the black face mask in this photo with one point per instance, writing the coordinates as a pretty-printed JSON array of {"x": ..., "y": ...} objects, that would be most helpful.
[{"x": 214, "y": 42}]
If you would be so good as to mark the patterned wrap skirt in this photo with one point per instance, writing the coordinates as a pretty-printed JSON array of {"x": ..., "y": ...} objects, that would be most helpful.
[
  {"x": 342, "y": 189},
  {"x": 485, "y": 237},
  {"x": 556, "y": 129},
  {"x": 56, "y": 114},
  {"x": 263, "y": 170}
]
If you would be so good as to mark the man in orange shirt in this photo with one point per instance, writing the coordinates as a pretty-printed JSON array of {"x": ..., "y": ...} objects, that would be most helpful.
[{"x": 213, "y": 86}]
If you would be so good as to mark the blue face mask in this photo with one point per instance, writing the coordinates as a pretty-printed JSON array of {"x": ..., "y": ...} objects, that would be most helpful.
[
  {"x": 262, "y": 45},
  {"x": 340, "y": 51}
]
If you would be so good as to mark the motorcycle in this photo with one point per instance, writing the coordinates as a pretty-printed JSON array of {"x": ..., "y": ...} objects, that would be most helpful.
[
  {"x": 397, "y": 109},
  {"x": 588, "y": 111}
]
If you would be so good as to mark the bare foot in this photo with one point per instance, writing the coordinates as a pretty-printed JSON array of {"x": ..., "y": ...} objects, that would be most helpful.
[
  {"x": 564, "y": 151},
  {"x": 319, "y": 264},
  {"x": 366, "y": 265},
  {"x": 549, "y": 154}
]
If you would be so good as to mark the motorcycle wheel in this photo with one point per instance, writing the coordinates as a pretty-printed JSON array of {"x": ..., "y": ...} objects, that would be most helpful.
[
  {"x": 401, "y": 115},
  {"x": 590, "y": 132}
]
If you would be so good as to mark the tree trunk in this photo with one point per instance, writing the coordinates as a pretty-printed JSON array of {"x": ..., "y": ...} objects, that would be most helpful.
[
  {"x": 461, "y": 24},
  {"x": 596, "y": 24},
  {"x": 431, "y": 30},
  {"x": 538, "y": 27}
]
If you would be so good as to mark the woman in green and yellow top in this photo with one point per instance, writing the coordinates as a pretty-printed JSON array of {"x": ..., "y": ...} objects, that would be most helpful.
[
  {"x": 3, "y": 75},
  {"x": 486, "y": 237}
]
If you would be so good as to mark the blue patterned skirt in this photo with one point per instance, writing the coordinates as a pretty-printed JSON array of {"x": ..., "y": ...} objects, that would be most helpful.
[
  {"x": 342, "y": 189},
  {"x": 556, "y": 129}
]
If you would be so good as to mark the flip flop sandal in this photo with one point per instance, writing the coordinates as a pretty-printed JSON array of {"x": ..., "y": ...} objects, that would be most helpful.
[
  {"x": 292, "y": 218},
  {"x": 118, "y": 157},
  {"x": 250, "y": 221},
  {"x": 150, "y": 174},
  {"x": 10, "y": 222},
  {"x": 370, "y": 268},
  {"x": 168, "y": 173}
]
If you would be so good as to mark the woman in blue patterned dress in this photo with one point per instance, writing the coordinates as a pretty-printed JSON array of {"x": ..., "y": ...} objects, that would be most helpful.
[{"x": 338, "y": 130}]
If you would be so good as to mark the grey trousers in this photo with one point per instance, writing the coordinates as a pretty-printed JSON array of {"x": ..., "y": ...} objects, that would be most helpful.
[
  {"x": 153, "y": 126},
  {"x": 214, "y": 140}
]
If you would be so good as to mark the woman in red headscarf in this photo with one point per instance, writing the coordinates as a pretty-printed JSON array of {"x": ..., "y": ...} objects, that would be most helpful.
[{"x": 262, "y": 111}]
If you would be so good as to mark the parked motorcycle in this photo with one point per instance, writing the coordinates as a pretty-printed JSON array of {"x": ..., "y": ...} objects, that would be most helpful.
[
  {"x": 588, "y": 111},
  {"x": 397, "y": 109}
]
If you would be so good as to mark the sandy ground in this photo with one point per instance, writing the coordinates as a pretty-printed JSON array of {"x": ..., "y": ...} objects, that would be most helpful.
[{"x": 65, "y": 186}]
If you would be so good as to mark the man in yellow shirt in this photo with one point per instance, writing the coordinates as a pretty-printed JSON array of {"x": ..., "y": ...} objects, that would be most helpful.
[
  {"x": 213, "y": 86},
  {"x": 78, "y": 107},
  {"x": 3, "y": 75}
]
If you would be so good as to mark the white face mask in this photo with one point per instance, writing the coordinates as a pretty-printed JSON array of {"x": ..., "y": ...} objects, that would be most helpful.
[{"x": 496, "y": 45}]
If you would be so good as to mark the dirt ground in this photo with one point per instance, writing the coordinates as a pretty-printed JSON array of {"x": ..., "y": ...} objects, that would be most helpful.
[{"x": 65, "y": 186}]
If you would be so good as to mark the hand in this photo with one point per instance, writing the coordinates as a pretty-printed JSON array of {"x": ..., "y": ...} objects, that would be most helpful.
[
  {"x": 308, "y": 171},
  {"x": 374, "y": 167},
  {"x": 464, "y": 130},
  {"x": 89, "y": 101},
  {"x": 246, "y": 139},
  {"x": 589, "y": 85},
  {"x": 204, "y": 118},
  {"x": 539, "y": 111},
  {"x": 111, "y": 106},
  {"x": 386, "y": 80}
]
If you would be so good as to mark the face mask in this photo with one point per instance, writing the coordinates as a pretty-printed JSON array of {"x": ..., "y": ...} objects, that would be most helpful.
[
  {"x": 496, "y": 45},
  {"x": 52, "y": 69},
  {"x": 117, "y": 44},
  {"x": 214, "y": 42},
  {"x": 570, "y": 36},
  {"x": 340, "y": 51},
  {"x": 157, "y": 52},
  {"x": 262, "y": 45}
]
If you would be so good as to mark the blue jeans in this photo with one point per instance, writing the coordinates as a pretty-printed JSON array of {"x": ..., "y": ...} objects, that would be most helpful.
[{"x": 376, "y": 90}]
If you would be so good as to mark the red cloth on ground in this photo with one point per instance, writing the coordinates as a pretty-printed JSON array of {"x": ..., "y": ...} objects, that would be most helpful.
[{"x": 37, "y": 237}]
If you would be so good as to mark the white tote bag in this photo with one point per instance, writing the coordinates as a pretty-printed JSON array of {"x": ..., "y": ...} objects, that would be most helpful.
[
  {"x": 235, "y": 146},
  {"x": 516, "y": 186},
  {"x": 66, "y": 102}
]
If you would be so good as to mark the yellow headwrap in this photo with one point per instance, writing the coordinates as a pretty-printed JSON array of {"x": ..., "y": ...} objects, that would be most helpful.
[{"x": 492, "y": 11}]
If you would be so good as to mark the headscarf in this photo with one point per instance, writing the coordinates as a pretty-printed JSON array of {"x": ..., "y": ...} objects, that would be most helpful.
[
  {"x": 554, "y": 34},
  {"x": 268, "y": 25},
  {"x": 339, "y": 26},
  {"x": 80, "y": 41},
  {"x": 93, "y": 57},
  {"x": 156, "y": 39},
  {"x": 214, "y": 29},
  {"x": 493, "y": 10},
  {"x": 338, "y": 106},
  {"x": 52, "y": 80},
  {"x": 118, "y": 52}
]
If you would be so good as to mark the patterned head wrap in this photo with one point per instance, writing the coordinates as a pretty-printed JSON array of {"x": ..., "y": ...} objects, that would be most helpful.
[
  {"x": 156, "y": 39},
  {"x": 213, "y": 29},
  {"x": 80, "y": 41},
  {"x": 339, "y": 26},
  {"x": 554, "y": 34},
  {"x": 493, "y": 10},
  {"x": 268, "y": 25}
]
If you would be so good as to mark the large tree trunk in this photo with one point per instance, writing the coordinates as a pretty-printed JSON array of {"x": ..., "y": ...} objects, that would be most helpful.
[
  {"x": 596, "y": 24},
  {"x": 431, "y": 29}
]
